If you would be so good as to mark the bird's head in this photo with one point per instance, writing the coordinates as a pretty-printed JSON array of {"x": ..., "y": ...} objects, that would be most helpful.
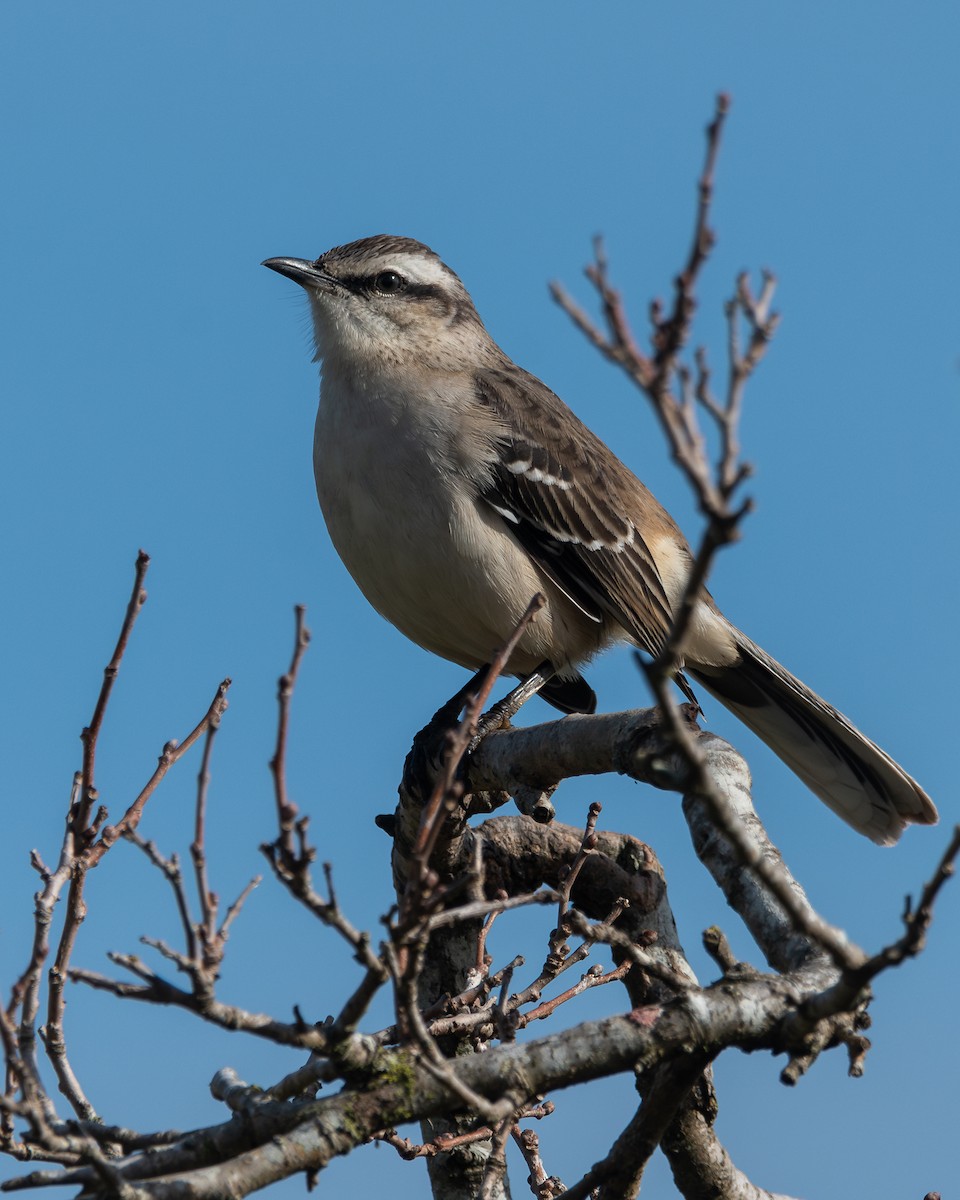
[{"x": 386, "y": 301}]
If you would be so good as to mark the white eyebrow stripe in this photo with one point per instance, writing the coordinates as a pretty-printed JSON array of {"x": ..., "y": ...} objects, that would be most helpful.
[{"x": 415, "y": 268}]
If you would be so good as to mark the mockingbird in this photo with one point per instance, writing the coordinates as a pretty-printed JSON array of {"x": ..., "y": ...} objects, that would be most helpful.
[{"x": 455, "y": 486}]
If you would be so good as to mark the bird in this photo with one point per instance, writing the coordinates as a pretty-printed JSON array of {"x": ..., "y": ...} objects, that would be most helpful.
[{"x": 455, "y": 486}]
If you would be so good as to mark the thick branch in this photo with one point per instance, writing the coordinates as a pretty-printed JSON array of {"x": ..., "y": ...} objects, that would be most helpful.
[{"x": 277, "y": 1140}]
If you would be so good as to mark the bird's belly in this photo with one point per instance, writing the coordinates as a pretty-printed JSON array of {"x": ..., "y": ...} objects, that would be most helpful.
[{"x": 446, "y": 573}]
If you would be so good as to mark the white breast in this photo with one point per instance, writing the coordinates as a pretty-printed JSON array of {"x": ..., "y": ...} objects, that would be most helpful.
[{"x": 424, "y": 550}]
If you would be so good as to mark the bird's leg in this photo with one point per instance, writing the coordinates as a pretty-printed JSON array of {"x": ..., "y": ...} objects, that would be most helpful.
[
  {"x": 533, "y": 802},
  {"x": 507, "y": 708}
]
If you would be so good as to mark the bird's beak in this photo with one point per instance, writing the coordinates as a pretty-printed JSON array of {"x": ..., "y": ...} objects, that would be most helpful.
[{"x": 307, "y": 274}]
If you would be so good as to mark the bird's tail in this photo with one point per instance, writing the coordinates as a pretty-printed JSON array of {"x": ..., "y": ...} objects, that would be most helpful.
[{"x": 858, "y": 780}]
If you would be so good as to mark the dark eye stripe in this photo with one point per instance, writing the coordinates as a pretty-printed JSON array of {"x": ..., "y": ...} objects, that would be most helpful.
[
  {"x": 425, "y": 291},
  {"x": 366, "y": 284}
]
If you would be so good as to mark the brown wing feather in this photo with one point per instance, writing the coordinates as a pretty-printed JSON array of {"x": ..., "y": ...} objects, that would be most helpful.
[{"x": 568, "y": 500}]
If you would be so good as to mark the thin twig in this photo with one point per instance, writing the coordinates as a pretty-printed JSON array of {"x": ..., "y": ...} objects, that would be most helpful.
[
  {"x": 91, "y": 732},
  {"x": 286, "y": 809},
  {"x": 172, "y": 753}
]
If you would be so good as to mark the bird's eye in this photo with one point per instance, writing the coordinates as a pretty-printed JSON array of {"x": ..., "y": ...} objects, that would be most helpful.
[{"x": 388, "y": 283}]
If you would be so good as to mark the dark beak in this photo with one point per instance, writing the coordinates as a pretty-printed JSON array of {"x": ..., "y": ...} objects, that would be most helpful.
[{"x": 307, "y": 274}]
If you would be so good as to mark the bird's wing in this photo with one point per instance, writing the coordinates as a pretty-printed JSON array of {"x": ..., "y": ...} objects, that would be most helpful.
[{"x": 574, "y": 507}]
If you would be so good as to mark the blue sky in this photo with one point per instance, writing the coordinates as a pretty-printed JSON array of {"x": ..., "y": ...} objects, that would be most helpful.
[{"x": 159, "y": 393}]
